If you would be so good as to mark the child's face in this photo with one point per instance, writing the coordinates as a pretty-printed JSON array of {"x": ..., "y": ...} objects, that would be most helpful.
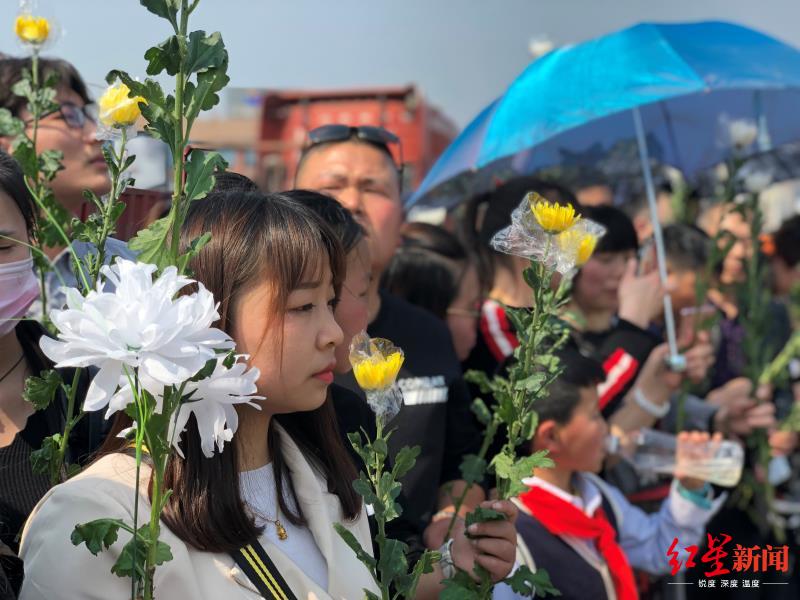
[
  {"x": 463, "y": 315},
  {"x": 581, "y": 442},
  {"x": 352, "y": 311},
  {"x": 598, "y": 286},
  {"x": 682, "y": 284},
  {"x": 294, "y": 351}
]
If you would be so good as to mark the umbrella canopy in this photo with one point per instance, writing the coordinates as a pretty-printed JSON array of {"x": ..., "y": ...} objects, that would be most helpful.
[{"x": 572, "y": 107}]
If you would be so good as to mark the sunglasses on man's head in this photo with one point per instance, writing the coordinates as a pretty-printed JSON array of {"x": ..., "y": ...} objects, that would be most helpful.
[{"x": 367, "y": 133}]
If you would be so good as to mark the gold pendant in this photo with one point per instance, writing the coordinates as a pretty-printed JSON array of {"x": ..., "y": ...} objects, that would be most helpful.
[{"x": 282, "y": 535}]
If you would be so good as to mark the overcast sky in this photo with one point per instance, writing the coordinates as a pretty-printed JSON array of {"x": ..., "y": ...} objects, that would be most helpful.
[{"x": 462, "y": 53}]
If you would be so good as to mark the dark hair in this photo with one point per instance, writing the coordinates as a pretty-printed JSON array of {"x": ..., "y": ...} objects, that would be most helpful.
[
  {"x": 787, "y": 241},
  {"x": 563, "y": 395},
  {"x": 12, "y": 182},
  {"x": 254, "y": 237},
  {"x": 475, "y": 230},
  {"x": 11, "y": 70},
  {"x": 686, "y": 246},
  {"x": 336, "y": 216},
  {"x": 620, "y": 234},
  {"x": 382, "y": 148},
  {"x": 230, "y": 181},
  {"x": 427, "y": 268}
]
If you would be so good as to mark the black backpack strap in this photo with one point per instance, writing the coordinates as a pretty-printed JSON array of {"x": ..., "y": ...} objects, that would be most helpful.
[{"x": 262, "y": 572}]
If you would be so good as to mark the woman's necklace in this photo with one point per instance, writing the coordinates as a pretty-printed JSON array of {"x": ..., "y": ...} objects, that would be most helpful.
[
  {"x": 14, "y": 366},
  {"x": 282, "y": 535}
]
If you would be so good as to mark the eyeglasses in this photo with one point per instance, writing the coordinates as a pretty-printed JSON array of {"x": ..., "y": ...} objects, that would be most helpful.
[
  {"x": 75, "y": 116},
  {"x": 367, "y": 133},
  {"x": 471, "y": 313}
]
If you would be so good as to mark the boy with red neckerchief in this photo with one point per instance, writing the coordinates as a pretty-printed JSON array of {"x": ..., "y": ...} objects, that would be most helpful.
[{"x": 578, "y": 527}]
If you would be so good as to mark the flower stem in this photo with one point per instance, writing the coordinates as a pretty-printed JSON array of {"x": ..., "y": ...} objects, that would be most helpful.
[{"x": 178, "y": 142}]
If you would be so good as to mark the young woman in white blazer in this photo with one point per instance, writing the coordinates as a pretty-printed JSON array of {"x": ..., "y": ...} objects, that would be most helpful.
[{"x": 276, "y": 271}]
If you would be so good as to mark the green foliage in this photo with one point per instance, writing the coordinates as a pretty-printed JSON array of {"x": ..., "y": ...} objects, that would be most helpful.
[
  {"x": 132, "y": 560},
  {"x": 41, "y": 390},
  {"x": 47, "y": 458},
  {"x": 98, "y": 535},
  {"x": 526, "y": 582},
  {"x": 380, "y": 488}
]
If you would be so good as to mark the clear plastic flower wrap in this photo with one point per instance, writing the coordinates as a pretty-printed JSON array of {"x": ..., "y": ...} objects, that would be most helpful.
[
  {"x": 376, "y": 363},
  {"x": 548, "y": 233}
]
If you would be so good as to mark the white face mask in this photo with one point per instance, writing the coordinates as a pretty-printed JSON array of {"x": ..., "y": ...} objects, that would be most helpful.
[{"x": 19, "y": 287}]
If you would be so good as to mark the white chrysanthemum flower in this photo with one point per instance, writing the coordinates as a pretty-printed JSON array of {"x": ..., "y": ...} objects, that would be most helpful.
[
  {"x": 211, "y": 400},
  {"x": 743, "y": 132},
  {"x": 141, "y": 325}
]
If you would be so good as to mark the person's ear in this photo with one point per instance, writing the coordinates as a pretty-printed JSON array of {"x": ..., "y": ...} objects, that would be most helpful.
[{"x": 547, "y": 437}]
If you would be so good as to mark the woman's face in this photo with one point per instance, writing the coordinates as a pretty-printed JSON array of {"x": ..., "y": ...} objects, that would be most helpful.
[
  {"x": 352, "y": 310},
  {"x": 598, "y": 285},
  {"x": 84, "y": 167},
  {"x": 294, "y": 351},
  {"x": 12, "y": 225},
  {"x": 463, "y": 314}
]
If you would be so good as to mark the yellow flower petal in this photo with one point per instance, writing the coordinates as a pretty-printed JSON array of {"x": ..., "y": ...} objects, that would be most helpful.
[
  {"x": 551, "y": 216},
  {"x": 581, "y": 244},
  {"x": 32, "y": 30},
  {"x": 117, "y": 108},
  {"x": 377, "y": 372}
]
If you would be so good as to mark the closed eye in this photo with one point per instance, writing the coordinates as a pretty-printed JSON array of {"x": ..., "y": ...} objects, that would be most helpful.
[{"x": 304, "y": 308}]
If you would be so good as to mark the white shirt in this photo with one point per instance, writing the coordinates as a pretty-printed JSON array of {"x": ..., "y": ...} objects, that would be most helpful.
[{"x": 258, "y": 492}]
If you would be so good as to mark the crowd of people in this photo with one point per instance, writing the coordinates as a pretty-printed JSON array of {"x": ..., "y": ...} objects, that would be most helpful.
[{"x": 297, "y": 274}]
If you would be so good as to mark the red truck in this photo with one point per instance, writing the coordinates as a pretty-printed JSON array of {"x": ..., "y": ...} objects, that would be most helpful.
[{"x": 287, "y": 117}]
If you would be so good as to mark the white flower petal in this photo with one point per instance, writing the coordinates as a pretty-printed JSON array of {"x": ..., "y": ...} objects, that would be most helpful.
[{"x": 103, "y": 386}]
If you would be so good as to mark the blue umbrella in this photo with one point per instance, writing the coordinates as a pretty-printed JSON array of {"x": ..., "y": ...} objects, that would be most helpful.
[
  {"x": 671, "y": 91},
  {"x": 573, "y": 106}
]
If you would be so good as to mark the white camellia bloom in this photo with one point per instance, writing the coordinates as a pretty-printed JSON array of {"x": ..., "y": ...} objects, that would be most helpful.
[
  {"x": 141, "y": 325},
  {"x": 742, "y": 132},
  {"x": 211, "y": 400}
]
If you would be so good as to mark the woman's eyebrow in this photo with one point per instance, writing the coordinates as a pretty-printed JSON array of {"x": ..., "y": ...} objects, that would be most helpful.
[{"x": 308, "y": 285}]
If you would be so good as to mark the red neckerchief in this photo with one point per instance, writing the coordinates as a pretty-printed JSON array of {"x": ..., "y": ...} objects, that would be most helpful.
[{"x": 560, "y": 517}]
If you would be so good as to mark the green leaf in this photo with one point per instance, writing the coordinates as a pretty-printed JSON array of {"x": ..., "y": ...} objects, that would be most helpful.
[
  {"x": 132, "y": 560},
  {"x": 514, "y": 471},
  {"x": 24, "y": 87},
  {"x": 363, "y": 488},
  {"x": 41, "y": 390},
  {"x": 158, "y": 110},
  {"x": 483, "y": 515},
  {"x": 351, "y": 541},
  {"x": 152, "y": 244},
  {"x": 526, "y": 582},
  {"x": 392, "y": 561},
  {"x": 24, "y": 153},
  {"x": 200, "y": 173},
  {"x": 166, "y": 9},
  {"x": 380, "y": 448},
  {"x": 404, "y": 461},
  {"x": 9, "y": 124},
  {"x": 204, "y": 95},
  {"x": 164, "y": 57},
  {"x": 50, "y": 163},
  {"x": 460, "y": 587},
  {"x": 98, "y": 535},
  {"x": 531, "y": 384},
  {"x": 47, "y": 459},
  {"x": 473, "y": 468},
  {"x": 203, "y": 52},
  {"x": 193, "y": 250},
  {"x": 481, "y": 411}
]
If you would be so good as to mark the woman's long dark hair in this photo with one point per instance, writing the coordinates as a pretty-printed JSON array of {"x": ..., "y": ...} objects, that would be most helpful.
[{"x": 254, "y": 238}]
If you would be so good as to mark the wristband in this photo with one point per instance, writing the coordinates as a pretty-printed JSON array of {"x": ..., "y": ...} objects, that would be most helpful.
[
  {"x": 659, "y": 411},
  {"x": 446, "y": 560}
]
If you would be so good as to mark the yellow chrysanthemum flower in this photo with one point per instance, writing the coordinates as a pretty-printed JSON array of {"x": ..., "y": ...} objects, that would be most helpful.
[
  {"x": 581, "y": 244},
  {"x": 552, "y": 217},
  {"x": 32, "y": 30},
  {"x": 377, "y": 372},
  {"x": 117, "y": 108}
]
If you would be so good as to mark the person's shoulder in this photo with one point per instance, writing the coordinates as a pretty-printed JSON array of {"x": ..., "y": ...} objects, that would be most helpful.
[{"x": 111, "y": 480}]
